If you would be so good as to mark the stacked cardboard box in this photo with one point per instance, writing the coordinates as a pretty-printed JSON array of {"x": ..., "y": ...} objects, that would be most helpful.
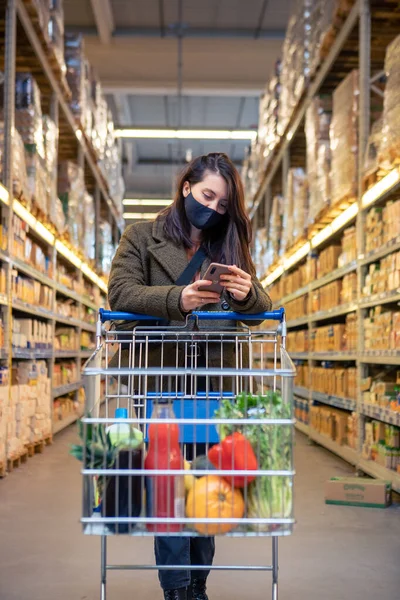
[
  {"x": 66, "y": 338},
  {"x": 349, "y": 289},
  {"x": 328, "y": 259},
  {"x": 32, "y": 334},
  {"x": 344, "y": 138},
  {"x": 330, "y": 338},
  {"x": 65, "y": 372},
  {"x": 382, "y": 225},
  {"x": 318, "y": 118},
  {"x": 31, "y": 291},
  {"x": 383, "y": 391},
  {"x": 351, "y": 333},
  {"x": 302, "y": 374},
  {"x": 339, "y": 382},
  {"x": 383, "y": 276},
  {"x": 353, "y": 431},
  {"x": 296, "y": 309},
  {"x": 330, "y": 422},
  {"x": 389, "y": 148},
  {"x": 382, "y": 329},
  {"x": 295, "y": 209},
  {"x": 349, "y": 247},
  {"x": 297, "y": 341},
  {"x": 28, "y": 415}
]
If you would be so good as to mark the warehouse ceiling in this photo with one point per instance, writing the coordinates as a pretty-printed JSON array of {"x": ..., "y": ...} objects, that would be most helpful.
[{"x": 229, "y": 50}]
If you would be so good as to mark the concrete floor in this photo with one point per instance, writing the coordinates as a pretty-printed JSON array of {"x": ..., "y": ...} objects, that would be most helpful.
[{"x": 336, "y": 553}]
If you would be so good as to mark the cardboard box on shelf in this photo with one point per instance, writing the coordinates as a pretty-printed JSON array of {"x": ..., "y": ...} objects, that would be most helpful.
[{"x": 358, "y": 491}]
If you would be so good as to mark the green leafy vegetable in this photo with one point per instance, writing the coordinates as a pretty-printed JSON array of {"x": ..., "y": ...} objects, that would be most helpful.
[{"x": 269, "y": 496}]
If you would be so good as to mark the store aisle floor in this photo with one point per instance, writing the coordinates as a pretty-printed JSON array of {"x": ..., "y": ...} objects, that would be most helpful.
[{"x": 336, "y": 553}]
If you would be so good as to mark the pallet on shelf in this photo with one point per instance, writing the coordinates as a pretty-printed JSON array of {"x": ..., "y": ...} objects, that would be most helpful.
[{"x": 329, "y": 213}]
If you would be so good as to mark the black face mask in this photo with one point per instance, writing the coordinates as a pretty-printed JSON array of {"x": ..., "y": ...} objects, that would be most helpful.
[{"x": 201, "y": 216}]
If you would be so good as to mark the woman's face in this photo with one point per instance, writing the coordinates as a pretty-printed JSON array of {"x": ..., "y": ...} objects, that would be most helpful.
[{"x": 211, "y": 192}]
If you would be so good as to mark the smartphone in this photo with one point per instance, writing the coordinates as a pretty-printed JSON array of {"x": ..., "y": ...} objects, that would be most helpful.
[{"x": 213, "y": 273}]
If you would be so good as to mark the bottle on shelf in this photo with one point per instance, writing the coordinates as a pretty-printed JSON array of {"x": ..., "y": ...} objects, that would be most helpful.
[{"x": 165, "y": 494}]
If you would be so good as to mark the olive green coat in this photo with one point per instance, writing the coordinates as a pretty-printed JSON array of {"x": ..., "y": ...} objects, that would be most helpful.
[{"x": 142, "y": 280}]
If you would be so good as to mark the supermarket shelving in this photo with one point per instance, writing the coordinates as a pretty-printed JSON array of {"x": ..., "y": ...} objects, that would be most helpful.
[
  {"x": 381, "y": 414},
  {"x": 342, "y": 309},
  {"x": 344, "y": 403},
  {"x": 25, "y": 353},
  {"x": 384, "y": 298},
  {"x": 66, "y": 354},
  {"x": 391, "y": 357},
  {"x": 62, "y": 390},
  {"x": 361, "y": 44},
  {"x": 348, "y": 454},
  {"x": 303, "y": 427},
  {"x": 86, "y": 353},
  {"x": 70, "y": 420},
  {"x": 372, "y": 468},
  {"x": 302, "y": 392},
  {"x": 371, "y": 257},
  {"x": 333, "y": 356}
]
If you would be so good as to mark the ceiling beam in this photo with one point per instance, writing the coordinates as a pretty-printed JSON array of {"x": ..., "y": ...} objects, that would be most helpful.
[
  {"x": 104, "y": 18},
  {"x": 188, "y": 32}
]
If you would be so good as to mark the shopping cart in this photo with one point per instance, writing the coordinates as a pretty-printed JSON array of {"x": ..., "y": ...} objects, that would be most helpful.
[{"x": 187, "y": 372}]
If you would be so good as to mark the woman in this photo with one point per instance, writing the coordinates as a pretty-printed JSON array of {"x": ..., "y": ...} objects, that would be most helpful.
[{"x": 208, "y": 212}]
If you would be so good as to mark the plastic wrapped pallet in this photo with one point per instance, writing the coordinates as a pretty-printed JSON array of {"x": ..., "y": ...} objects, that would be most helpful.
[
  {"x": 260, "y": 251},
  {"x": 275, "y": 231},
  {"x": 107, "y": 249},
  {"x": 37, "y": 178},
  {"x": 295, "y": 60},
  {"x": 88, "y": 227},
  {"x": 20, "y": 178},
  {"x": 296, "y": 209},
  {"x": 390, "y": 145},
  {"x": 71, "y": 190},
  {"x": 28, "y": 112},
  {"x": 56, "y": 31},
  {"x": 76, "y": 73},
  {"x": 373, "y": 147},
  {"x": 344, "y": 138},
  {"x": 318, "y": 118}
]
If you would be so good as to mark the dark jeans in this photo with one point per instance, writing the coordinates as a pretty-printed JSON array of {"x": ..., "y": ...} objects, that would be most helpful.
[{"x": 183, "y": 551}]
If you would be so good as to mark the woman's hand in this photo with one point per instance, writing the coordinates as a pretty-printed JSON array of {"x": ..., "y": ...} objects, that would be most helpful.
[
  {"x": 238, "y": 284},
  {"x": 192, "y": 297}
]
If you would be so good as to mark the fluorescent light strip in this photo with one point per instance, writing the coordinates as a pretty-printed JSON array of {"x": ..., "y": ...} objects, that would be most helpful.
[
  {"x": 272, "y": 276},
  {"x": 146, "y": 202},
  {"x": 140, "y": 216},
  {"x": 186, "y": 134},
  {"x": 4, "y": 195},
  {"x": 297, "y": 256},
  {"x": 340, "y": 221},
  {"x": 33, "y": 223},
  {"x": 380, "y": 188},
  {"x": 68, "y": 254}
]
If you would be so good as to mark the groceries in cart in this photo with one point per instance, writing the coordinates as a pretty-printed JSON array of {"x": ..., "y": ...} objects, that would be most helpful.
[{"x": 235, "y": 486}]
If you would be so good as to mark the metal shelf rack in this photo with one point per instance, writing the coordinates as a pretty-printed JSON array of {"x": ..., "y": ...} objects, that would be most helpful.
[
  {"x": 24, "y": 49},
  {"x": 361, "y": 43}
]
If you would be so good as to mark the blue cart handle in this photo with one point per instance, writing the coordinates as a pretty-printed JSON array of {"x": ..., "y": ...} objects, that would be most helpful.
[{"x": 273, "y": 315}]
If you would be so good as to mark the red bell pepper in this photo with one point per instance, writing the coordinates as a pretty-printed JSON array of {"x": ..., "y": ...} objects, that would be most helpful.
[{"x": 234, "y": 453}]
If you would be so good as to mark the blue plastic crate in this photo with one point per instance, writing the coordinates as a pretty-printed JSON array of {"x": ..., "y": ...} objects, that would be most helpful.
[{"x": 197, "y": 408}]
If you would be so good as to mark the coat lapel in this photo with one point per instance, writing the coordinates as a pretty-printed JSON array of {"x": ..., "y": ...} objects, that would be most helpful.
[{"x": 170, "y": 257}]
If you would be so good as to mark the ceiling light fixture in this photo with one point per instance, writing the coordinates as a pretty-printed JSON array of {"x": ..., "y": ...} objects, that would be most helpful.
[
  {"x": 187, "y": 134},
  {"x": 147, "y": 202},
  {"x": 140, "y": 216}
]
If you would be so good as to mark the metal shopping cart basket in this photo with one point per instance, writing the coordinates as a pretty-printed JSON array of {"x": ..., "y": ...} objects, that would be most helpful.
[{"x": 227, "y": 389}]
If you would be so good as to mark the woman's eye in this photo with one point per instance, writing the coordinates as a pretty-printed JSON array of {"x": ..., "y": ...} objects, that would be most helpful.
[{"x": 206, "y": 196}]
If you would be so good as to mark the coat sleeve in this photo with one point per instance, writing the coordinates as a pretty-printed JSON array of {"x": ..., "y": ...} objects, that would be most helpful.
[
  {"x": 127, "y": 289},
  {"x": 258, "y": 301}
]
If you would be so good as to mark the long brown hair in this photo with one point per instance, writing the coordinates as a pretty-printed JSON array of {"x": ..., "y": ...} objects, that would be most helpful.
[{"x": 229, "y": 242}]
